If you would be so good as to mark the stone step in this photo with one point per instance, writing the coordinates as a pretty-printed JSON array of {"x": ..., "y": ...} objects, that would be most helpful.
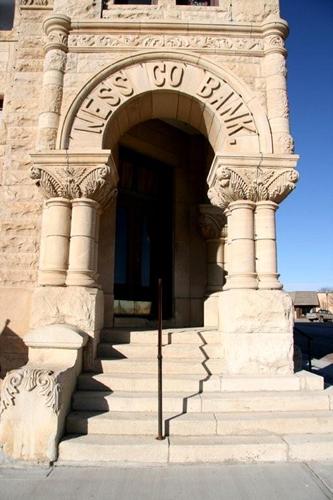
[
  {"x": 97, "y": 449},
  {"x": 266, "y": 448},
  {"x": 175, "y": 351},
  {"x": 103, "y": 449},
  {"x": 285, "y": 422},
  {"x": 214, "y": 402},
  {"x": 265, "y": 401},
  {"x": 200, "y": 424},
  {"x": 147, "y": 382},
  {"x": 194, "y": 383},
  {"x": 144, "y": 365},
  {"x": 122, "y": 401},
  {"x": 140, "y": 423},
  {"x": 175, "y": 336}
]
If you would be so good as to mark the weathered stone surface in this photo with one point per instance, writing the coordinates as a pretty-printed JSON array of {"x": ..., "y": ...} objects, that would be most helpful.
[
  {"x": 256, "y": 311},
  {"x": 82, "y": 307}
]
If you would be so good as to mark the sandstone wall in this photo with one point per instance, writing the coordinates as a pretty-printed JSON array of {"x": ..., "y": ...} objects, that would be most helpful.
[{"x": 90, "y": 49}]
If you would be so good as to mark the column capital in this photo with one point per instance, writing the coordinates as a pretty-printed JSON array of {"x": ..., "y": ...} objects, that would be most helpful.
[
  {"x": 252, "y": 178},
  {"x": 60, "y": 174},
  {"x": 211, "y": 222},
  {"x": 57, "y": 28}
]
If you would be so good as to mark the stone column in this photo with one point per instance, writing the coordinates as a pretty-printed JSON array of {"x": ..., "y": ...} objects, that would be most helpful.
[
  {"x": 256, "y": 324},
  {"x": 242, "y": 252},
  {"x": 57, "y": 29},
  {"x": 227, "y": 246},
  {"x": 274, "y": 69},
  {"x": 77, "y": 187},
  {"x": 212, "y": 221},
  {"x": 82, "y": 269},
  {"x": 265, "y": 238},
  {"x": 55, "y": 242}
]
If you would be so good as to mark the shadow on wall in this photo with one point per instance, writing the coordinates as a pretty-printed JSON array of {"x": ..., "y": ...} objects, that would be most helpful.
[{"x": 13, "y": 351}]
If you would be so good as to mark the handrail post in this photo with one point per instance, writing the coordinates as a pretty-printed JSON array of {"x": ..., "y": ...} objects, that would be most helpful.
[{"x": 159, "y": 361}]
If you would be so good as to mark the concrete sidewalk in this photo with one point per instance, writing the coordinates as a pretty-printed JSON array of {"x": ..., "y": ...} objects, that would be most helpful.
[{"x": 294, "y": 481}]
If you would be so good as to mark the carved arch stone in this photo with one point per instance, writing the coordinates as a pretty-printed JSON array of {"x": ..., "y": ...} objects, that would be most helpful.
[{"x": 167, "y": 85}]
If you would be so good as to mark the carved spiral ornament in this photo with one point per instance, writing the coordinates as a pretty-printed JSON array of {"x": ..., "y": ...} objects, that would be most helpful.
[{"x": 30, "y": 379}]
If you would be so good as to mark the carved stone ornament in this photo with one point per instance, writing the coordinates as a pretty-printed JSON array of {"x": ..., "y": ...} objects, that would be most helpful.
[
  {"x": 57, "y": 29},
  {"x": 35, "y": 3},
  {"x": 77, "y": 182},
  {"x": 30, "y": 379},
  {"x": 215, "y": 42},
  {"x": 274, "y": 42},
  {"x": 254, "y": 184},
  {"x": 211, "y": 222}
]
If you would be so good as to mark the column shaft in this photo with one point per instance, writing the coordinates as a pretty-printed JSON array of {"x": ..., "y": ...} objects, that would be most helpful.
[
  {"x": 227, "y": 250},
  {"x": 265, "y": 242},
  {"x": 55, "y": 244},
  {"x": 242, "y": 265},
  {"x": 82, "y": 254},
  {"x": 215, "y": 259}
]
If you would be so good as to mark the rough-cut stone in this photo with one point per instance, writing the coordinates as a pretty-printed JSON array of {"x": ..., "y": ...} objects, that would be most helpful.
[
  {"x": 190, "y": 83},
  {"x": 82, "y": 307}
]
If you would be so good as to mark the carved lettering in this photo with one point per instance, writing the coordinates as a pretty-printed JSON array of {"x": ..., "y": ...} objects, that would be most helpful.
[
  {"x": 98, "y": 107},
  {"x": 121, "y": 81},
  {"x": 235, "y": 114},
  {"x": 166, "y": 73},
  {"x": 90, "y": 125},
  {"x": 209, "y": 85},
  {"x": 111, "y": 93}
]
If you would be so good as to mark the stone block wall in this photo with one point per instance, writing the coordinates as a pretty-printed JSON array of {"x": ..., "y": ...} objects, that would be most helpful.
[{"x": 214, "y": 35}]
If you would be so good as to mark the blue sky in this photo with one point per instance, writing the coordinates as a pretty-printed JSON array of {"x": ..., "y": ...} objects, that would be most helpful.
[{"x": 305, "y": 218}]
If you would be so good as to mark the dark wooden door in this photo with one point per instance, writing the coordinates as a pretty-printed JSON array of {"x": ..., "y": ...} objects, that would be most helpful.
[{"x": 144, "y": 239}]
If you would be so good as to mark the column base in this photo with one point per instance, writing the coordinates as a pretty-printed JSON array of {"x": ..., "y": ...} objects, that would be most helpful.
[
  {"x": 269, "y": 282},
  {"x": 51, "y": 277},
  {"x": 211, "y": 309},
  {"x": 242, "y": 281},
  {"x": 257, "y": 332},
  {"x": 81, "y": 278}
]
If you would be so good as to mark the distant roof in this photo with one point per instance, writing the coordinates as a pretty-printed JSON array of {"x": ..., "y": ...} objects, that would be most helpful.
[{"x": 304, "y": 298}]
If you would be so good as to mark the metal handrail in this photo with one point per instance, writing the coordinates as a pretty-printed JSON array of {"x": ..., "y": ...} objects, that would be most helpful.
[
  {"x": 309, "y": 340},
  {"x": 160, "y": 435}
]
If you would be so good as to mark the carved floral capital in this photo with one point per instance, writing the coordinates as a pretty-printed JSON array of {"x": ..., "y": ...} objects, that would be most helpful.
[
  {"x": 70, "y": 178},
  {"x": 31, "y": 379},
  {"x": 232, "y": 182}
]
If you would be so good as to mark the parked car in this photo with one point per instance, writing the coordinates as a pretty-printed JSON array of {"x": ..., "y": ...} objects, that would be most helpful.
[{"x": 321, "y": 315}]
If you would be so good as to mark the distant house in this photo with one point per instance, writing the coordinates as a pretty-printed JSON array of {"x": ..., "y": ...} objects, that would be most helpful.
[{"x": 303, "y": 302}]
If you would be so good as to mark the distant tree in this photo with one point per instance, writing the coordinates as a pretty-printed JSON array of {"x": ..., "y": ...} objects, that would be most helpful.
[{"x": 326, "y": 289}]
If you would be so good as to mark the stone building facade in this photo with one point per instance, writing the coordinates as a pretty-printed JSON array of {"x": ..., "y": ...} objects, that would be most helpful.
[{"x": 140, "y": 141}]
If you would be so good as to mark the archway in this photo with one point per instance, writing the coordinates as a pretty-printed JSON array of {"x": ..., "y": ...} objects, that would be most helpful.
[
  {"x": 194, "y": 91},
  {"x": 162, "y": 168},
  {"x": 178, "y": 89}
]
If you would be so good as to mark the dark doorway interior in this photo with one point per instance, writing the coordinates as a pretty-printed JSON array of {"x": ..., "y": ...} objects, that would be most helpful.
[{"x": 144, "y": 239}]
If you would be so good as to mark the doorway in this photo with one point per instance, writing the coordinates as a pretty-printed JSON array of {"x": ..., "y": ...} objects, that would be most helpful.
[{"x": 144, "y": 237}]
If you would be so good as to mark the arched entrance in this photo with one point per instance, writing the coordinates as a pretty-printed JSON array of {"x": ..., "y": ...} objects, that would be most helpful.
[
  {"x": 246, "y": 180},
  {"x": 177, "y": 89},
  {"x": 162, "y": 168}
]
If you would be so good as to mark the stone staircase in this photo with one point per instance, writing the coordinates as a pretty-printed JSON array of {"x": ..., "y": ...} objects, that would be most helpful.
[{"x": 208, "y": 417}]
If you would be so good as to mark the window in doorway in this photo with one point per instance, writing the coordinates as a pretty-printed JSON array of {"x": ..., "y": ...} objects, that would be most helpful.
[{"x": 7, "y": 9}]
